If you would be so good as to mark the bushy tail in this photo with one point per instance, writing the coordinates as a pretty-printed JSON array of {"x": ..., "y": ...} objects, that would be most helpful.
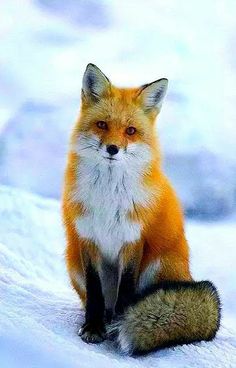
[{"x": 174, "y": 313}]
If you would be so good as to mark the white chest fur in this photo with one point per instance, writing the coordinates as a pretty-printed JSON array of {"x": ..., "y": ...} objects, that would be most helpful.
[{"x": 109, "y": 192}]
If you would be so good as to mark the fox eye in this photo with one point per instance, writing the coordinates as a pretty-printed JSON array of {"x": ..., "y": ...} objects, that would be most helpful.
[
  {"x": 102, "y": 125},
  {"x": 130, "y": 130}
]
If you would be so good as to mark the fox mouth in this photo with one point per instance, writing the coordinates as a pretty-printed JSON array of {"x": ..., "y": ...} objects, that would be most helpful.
[{"x": 110, "y": 158}]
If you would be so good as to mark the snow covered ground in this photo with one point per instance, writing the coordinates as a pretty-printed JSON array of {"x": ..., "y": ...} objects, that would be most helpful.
[{"x": 40, "y": 314}]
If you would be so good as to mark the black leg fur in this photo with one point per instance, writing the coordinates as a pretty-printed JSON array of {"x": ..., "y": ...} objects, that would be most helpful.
[
  {"x": 126, "y": 290},
  {"x": 93, "y": 330}
]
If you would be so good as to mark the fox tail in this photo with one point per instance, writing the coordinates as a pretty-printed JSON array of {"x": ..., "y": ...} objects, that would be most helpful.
[{"x": 172, "y": 313}]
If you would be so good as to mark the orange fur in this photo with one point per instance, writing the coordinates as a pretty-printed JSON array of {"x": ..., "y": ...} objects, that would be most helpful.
[{"x": 162, "y": 222}]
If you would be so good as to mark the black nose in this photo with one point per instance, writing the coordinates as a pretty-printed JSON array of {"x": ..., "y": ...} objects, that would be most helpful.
[{"x": 112, "y": 149}]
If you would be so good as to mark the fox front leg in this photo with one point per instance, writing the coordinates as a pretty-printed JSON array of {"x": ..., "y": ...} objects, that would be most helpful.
[
  {"x": 129, "y": 265},
  {"x": 93, "y": 329}
]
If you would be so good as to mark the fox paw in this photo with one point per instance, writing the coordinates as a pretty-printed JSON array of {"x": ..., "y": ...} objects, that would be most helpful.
[{"x": 91, "y": 333}]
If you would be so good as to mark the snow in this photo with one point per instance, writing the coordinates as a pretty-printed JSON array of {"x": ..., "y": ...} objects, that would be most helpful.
[
  {"x": 40, "y": 314},
  {"x": 45, "y": 46},
  {"x": 19, "y": 146}
]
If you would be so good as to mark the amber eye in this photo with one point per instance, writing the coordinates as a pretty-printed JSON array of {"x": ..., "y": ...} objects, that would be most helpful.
[
  {"x": 102, "y": 125},
  {"x": 130, "y": 130}
]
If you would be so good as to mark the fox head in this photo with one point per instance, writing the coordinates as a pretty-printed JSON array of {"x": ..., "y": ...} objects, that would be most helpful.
[{"x": 117, "y": 125}]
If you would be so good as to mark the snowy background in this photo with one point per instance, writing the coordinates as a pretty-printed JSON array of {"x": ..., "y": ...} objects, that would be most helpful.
[{"x": 45, "y": 47}]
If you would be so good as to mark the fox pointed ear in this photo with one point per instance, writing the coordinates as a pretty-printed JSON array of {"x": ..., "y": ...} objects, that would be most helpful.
[
  {"x": 152, "y": 94},
  {"x": 95, "y": 83}
]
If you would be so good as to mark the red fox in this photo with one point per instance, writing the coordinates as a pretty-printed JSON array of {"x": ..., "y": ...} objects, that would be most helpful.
[{"x": 127, "y": 255}]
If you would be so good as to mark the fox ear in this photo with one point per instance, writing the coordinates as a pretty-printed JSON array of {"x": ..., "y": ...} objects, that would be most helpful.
[
  {"x": 95, "y": 83},
  {"x": 152, "y": 94}
]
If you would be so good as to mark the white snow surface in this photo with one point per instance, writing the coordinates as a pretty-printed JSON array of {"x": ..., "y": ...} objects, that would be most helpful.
[{"x": 40, "y": 314}]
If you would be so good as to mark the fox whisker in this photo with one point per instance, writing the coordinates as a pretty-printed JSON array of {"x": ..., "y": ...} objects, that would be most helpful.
[{"x": 87, "y": 147}]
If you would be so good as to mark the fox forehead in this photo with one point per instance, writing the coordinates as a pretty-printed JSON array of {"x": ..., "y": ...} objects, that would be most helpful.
[{"x": 119, "y": 107}]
